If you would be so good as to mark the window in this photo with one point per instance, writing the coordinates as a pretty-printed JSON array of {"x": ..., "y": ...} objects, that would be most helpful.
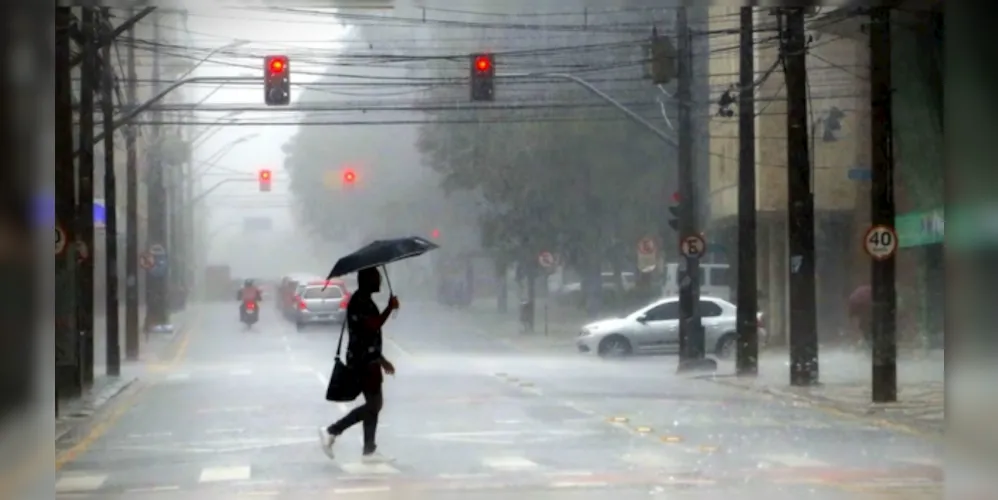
[
  {"x": 664, "y": 312},
  {"x": 710, "y": 309},
  {"x": 316, "y": 292}
]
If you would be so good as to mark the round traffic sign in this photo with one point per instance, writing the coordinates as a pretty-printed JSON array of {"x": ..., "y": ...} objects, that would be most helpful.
[
  {"x": 157, "y": 249},
  {"x": 147, "y": 261},
  {"x": 880, "y": 242},
  {"x": 693, "y": 246},
  {"x": 60, "y": 240},
  {"x": 646, "y": 246},
  {"x": 546, "y": 259}
]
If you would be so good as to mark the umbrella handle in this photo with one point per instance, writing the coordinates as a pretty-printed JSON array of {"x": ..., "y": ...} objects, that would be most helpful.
[{"x": 388, "y": 281}]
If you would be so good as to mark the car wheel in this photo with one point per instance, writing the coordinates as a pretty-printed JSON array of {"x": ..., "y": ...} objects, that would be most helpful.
[
  {"x": 615, "y": 346},
  {"x": 726, "y": 346}
]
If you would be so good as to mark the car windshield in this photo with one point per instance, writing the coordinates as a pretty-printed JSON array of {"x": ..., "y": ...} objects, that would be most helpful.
[{"x": 316, "y": 292}]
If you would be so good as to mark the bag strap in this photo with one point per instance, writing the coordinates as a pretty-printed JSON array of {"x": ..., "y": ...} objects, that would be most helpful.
[{"x": 339, "y": 345}]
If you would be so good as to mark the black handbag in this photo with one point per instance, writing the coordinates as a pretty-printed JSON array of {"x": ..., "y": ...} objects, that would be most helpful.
[{"x": 344, "y": 383}]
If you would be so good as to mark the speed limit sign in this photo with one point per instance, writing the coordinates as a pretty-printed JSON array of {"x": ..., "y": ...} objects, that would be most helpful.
[{"x": 880, "y": 242}]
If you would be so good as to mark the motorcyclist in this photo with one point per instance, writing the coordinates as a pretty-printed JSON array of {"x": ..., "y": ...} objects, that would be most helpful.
[{"x": 248, "y": 293}]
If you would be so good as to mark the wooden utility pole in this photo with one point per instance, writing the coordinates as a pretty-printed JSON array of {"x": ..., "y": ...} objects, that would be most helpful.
[
  {"x": 84, "y": 247},
  {"x": 882, "y": 210},
  {"x": 68, "y": 373},
  {"x": 800, "y": 205},
  {"x": 111, "y": 308},
  {"x": 131, "y": 213},
  {"x": 747, "y": 362},
  {"x": 157, "y": 310}
]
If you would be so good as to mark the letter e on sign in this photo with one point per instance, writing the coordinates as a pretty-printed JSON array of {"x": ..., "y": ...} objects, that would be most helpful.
[{"x": 880, "y": 242}]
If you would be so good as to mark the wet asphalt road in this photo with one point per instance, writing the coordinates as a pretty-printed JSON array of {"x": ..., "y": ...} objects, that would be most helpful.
[{"x": 468, "y": 417}]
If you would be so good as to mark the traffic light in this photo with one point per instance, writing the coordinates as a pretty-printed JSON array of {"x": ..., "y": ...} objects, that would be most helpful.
[
  {"x": 675, "y": 211},
  {"x": 483, "y": 70},
  {"x": 435, "y": 234},
  {"x": 349, "y": 177},
  {"x": 265, "y": 177},
  {"x": 276, "y": 81}
]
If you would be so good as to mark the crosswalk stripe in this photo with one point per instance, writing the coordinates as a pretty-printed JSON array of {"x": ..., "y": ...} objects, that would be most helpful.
[
  {"x": 509, "y": 463},
  {"x": 361, "y": 468},
  {"x": 216, "y": 474},
  {"x": 73, "y": 483}
]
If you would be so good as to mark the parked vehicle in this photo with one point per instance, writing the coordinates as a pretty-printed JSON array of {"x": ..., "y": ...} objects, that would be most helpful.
[
  {"x": 713, "y": 281},
  {"x": 654, "y": 329}
]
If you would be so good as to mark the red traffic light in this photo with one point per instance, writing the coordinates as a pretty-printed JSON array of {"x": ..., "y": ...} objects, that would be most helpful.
[
  {"x": 278, "y": 65},
  {"x": 435, "y": 234},
  {"x": 349, "y": 176},
  {"x": 676, "y": 197},
  {"x": 265, "y": 175},
  {"x": 483, "y": 63}
]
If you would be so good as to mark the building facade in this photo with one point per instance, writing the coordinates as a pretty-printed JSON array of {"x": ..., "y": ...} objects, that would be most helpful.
[{"x": 839, "y": 110}]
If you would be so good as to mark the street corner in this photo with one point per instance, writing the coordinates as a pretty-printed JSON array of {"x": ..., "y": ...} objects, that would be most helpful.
[{"x": 83, "y": 423}]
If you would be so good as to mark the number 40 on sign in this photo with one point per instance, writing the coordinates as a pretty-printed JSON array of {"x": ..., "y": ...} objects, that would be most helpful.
[{"x": 880, "y": 242}]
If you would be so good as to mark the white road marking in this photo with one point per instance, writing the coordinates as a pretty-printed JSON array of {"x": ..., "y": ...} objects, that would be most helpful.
[
  {"x": 302, "y": 369},
  {"x": 570, "y": 473},
  {"x": 926, "y": 461},
  {"x": 361, "y": 489},
  {"x": 217, "y": 474},
  {"x": 474, "y": 475},
  {"x": 791, "y": 460},
  {"x": 153, "y": 489},
  {"x": 225, "y": 431},
  {"x": 178, "y": 376},
  {"x": 509, "y": 463},
  {"x": 78, "y": 483},
  {"x": 656, "y": 460},
  {"x": 241, "y": 372},
  {"x": 578, "y": 484},
  {"x": 365, "y": 468},
  {"x": 150, "y": 435}
]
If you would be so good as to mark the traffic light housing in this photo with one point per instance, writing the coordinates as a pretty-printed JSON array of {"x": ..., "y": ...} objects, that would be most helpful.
[
  {"x": 276, "y": 81},
  {"x": 483, "y": 72},
  {"x": 265, "y": 178},
  {"x": 675, "y": 211}
]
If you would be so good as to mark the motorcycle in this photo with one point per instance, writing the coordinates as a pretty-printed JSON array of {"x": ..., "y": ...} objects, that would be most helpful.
[{"x": 249, "y": 313}]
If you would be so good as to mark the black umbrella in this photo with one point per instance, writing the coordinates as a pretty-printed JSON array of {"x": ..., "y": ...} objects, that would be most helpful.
[{"x": 380, "y": 253}]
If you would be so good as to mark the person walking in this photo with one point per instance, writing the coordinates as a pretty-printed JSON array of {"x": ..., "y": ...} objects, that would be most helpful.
[{"x": 364, "y": 356}]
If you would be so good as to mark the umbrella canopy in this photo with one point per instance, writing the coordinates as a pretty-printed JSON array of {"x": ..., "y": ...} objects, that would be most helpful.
[{"x": 381, "y": 252}]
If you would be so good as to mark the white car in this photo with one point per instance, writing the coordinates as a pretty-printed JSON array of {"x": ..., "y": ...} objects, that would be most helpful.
[{"x": 654, "y": 329}]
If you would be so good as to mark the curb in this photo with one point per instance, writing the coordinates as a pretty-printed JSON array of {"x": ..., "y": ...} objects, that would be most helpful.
[
  {"x": 85, "y": 414},
  {"x": 832, "y": 406}
]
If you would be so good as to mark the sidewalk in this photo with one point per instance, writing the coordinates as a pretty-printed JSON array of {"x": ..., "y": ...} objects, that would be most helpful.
[
  {"x": 153, "y": 347},
  {"x": 846, "y": 387}
]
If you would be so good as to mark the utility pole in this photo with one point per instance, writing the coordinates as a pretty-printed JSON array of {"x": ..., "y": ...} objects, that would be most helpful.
[
  {"x": 68, "y": 372},
  {"x": 691, "y": 335},
  {"x": 85, "y": 186},
  {"x": 157, "y": 311},
  {"x": 882, "y": 210},
  {"x": 132, "y": 211},
  {"x": 747, "y": 362},
  {"x": 111, "y": 308},
  {"x": 800, "y": 205}
]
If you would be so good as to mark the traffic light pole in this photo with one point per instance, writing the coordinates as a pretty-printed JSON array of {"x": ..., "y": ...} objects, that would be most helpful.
[
  {"x": 691, "y": 335},
  {"x": 747, "y": 360}
]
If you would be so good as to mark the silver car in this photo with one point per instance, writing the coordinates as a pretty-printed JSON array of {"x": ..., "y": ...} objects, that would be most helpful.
[
  {"x": 320, "y": 306},
  {"x": 654, "y": 329}
]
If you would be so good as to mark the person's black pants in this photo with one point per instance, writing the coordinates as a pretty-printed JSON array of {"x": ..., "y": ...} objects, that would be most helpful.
[{"x": 367, "y": 413}]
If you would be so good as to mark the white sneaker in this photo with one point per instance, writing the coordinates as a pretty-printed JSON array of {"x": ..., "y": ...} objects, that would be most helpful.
[
  {"x": 376, "y": 458},
  {"x": 327, "y": 440}
]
